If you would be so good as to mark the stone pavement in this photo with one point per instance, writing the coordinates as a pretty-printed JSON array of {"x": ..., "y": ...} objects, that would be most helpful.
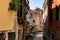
[{"x": 38, "y": 36}]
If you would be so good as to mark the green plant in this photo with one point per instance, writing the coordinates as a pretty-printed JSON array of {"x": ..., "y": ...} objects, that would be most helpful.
[
  {"x": 13, "y": 5},
  {"x": 32, "y": 26}
]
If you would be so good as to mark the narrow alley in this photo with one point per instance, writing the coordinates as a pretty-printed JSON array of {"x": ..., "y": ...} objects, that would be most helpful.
[{"x": 29, "y": 19}]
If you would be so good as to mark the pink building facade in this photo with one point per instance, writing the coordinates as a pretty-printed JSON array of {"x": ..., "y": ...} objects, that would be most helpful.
[{"x": 37, "y": 17}]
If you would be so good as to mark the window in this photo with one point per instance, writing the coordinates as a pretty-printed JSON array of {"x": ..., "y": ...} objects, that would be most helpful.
[
  {"x": 19, "y": 12},
  {"x": 11, "y": 36},
  {"x": 57, "y": 13},
  {"x": 2, "y": 36},
  {"x": 50, "y": 15},
  {"x": 34, "y": 21}
]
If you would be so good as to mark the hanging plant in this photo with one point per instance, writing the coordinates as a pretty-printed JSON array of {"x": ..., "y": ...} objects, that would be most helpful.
[{"x": 13, "y": 5}]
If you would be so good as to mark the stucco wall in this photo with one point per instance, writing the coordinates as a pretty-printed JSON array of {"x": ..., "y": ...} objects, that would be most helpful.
[{"x": 6, "y": 17}]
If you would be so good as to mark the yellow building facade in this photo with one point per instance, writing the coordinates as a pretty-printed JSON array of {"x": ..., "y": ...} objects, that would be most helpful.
[
  {"x": 6, "y": 17},
  {"x": 8, "y": 20}
]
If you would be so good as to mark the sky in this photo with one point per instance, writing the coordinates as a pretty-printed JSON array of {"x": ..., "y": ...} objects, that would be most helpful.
[{"x": 36, "y": 3}]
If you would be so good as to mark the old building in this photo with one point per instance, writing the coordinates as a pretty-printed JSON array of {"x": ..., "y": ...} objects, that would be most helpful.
[
  {"x": 10, "y": 28},
  {"x": 35, "y": 18},
  {"x": 21, "y": 14},
  {"x": 54, "y": 16},
  {"x": 45, "y": 21},
  {"x": 8, "y": 22}
]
